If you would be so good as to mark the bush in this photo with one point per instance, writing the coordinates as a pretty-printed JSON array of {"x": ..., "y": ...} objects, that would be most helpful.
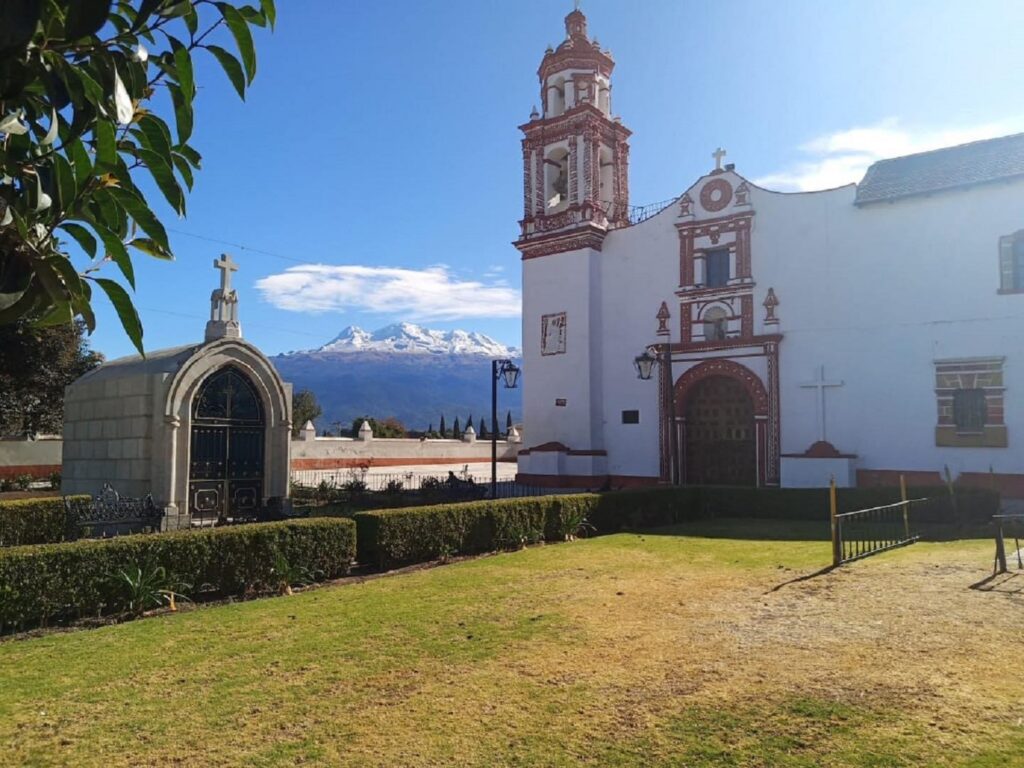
[
  {"x": 23, "y": 482},
  {"x": 33, "y": 521},
  {"x": 54, "y": 582},
  {"x": 388, "y": 538}
]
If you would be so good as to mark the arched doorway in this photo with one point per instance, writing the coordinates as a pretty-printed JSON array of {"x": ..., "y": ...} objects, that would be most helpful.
[
  {"x": 720, "y": 445},
  {"x": 226, "y": 449}
]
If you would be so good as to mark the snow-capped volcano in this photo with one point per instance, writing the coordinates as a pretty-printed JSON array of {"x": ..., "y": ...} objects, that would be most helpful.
[{"x": 409, "y": 338}]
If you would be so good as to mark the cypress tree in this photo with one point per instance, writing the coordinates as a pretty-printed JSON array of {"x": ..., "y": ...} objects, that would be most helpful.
[
  {"x": 444, "y": 429},
  {"x": 483, "y": 428},
  {"x": 508, "y": 423},
  {"x": 456, "y": 430}
]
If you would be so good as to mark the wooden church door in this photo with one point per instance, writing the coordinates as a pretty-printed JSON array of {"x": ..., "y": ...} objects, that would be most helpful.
[
  {"x": 226, "y": 450},
  {"x": 720, "y": 434}
]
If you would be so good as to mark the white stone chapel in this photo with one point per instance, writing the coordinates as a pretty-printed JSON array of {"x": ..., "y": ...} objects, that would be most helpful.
[
  {"x": 861, "y": 332},
  {"x": 204, "y": 428}
]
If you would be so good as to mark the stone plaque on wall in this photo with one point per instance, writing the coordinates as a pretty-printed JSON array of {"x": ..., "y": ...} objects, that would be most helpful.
[{"x": 552, "y": 334}]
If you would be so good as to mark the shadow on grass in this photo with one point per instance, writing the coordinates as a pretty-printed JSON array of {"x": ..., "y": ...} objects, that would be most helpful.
[{"x": 1004, "y": 583}]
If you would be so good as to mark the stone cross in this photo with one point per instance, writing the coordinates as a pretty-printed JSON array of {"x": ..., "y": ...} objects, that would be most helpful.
[
  {"x": 718, "y": 154},
  {"x": 224, "y": 304},
  {"x": 820, "y": 384},
  {"x": 226, "y": 267}
]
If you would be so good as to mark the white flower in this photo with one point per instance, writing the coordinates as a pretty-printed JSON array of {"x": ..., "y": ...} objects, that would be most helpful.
[
  {"x": 52, "y": 133},
  {"x": 7, "y": 218},
  {"x": 12, "y": 124},
  {"x": 43, "y": 200},
  {"x": 140, "y": 53},
  {"x": 122, "y": 102}
]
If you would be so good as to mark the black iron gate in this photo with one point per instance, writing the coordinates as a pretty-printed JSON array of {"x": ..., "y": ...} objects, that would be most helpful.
[{"x": 226, "y": 451}]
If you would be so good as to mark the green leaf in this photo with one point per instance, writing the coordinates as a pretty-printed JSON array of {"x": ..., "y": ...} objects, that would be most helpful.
[
  {"x": 50, "y": 280},
  {"x": 190, "y": 154},
  {"x": 21, "y": 306},
  {"x": 150, "y": 248},
  {"x": 182, "y": 113},
  {"x": 253, "y": 16},
  {"x": 65, "y": 181},
  {"x": 183, "y": 68},
  {"x": 68, "y": 273},
  {"x": 117, "y": 252},
  {"x": 269, "y": 11},
  {"x": 243, "y": 38},
  {"x": 58, "y": 314},
  {"x": 184, "y": 170},
  {"x": 80, "y": 162},
  {"x": 164, "y": 178},
  {"x": 191, "y": 19},
  {"x": 231, "y": 68},
  {"x": 145, "y": 11},
  {"x": 125, "y": 311},
  {"x": 142, "y": 216},
  {"x": 82, "y": 235},
  {"x": 106, "y": 146},
  {"x": 85, "y": 17},
  {"x": 156, "y": 136}
]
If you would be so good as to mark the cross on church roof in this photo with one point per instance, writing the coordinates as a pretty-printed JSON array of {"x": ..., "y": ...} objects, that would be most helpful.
[
  {"x": 226, "y": 267},
  {"x": 718, "y": 154}
]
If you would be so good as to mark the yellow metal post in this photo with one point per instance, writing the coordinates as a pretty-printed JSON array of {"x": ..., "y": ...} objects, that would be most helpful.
[
  {"x": 837, "y": 551},
  {"x": 906, "y": 507}
]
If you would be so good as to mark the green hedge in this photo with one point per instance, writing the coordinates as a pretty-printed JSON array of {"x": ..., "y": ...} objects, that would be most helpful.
[
  {"x": 33, "y": 521},
  {"x": 53, "y": 582},
  {"x": 393, "y": 537},
  {"x": 388, "y": 538}
]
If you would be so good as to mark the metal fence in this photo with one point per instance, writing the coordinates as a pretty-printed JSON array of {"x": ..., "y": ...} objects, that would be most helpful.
[{"x": 865, "y": 532}]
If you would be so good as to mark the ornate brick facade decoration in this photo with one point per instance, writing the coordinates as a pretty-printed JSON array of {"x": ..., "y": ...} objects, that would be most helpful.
[
  {"x": 716, "y": 195},
  {"x": 969, "y": 393},
  {"x": 663, "y": 317},
  {"x": 771, "y": 301},
  {"x": 578, "y": 136},
  {"x": 764, "y": 398}
]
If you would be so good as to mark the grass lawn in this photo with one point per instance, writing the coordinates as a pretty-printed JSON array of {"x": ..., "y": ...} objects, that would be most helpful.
[{"x": 667, "y": 648}]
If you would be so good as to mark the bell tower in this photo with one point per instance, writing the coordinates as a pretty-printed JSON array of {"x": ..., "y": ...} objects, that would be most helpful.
[{"x": 575, "y": 153}]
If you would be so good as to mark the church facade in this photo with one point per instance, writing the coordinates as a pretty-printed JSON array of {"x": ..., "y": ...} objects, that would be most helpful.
[{"x": 861, "y": 332}]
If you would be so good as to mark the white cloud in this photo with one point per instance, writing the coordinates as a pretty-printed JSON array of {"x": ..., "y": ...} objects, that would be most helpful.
[
  {"x": 842, "y": 157},
  {"x": 416, "y": 294}
]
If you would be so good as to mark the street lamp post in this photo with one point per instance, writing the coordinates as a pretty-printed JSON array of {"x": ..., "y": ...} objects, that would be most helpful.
[
  {"x": 644, "y": 364},
  {"x": 508, "y": 372}
]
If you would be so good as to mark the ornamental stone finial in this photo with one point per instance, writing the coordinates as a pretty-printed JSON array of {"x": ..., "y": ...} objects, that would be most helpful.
[{"x": 224, "y": 321}]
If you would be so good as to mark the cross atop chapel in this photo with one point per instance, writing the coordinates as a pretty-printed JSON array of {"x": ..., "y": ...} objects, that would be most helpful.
[
  {"x": 223, "y": 321},
  {"x": 718, "y": 154},
  {"x": 226, "y": 267}
]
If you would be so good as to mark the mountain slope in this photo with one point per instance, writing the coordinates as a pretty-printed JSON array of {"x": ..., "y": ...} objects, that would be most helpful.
[{"x": 404, "y": 370}]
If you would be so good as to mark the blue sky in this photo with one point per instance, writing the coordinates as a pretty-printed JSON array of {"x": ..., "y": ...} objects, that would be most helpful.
[{"x": 380, "y": 140}]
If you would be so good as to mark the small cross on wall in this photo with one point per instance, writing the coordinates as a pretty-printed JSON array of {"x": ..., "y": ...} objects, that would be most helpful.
[{"x": 718, "y": 154}]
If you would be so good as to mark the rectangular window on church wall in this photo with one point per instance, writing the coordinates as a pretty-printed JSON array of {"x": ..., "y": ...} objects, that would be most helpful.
[
  {"x": 970, "y": 397},
  {"x": 1011, "y": 263},
  {"x": 969, "y": 410},
  {"x": 716, "y": 267}
]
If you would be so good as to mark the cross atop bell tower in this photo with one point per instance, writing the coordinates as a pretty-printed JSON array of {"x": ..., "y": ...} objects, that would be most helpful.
[
  {"x": 223, "y": 322},
  {"x": 575, "y": 151}
]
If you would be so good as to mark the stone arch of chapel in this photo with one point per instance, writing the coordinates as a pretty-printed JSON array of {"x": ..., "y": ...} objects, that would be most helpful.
[
  {"x": 709, "y": 368},
  {"x": 275, "y": 397}
]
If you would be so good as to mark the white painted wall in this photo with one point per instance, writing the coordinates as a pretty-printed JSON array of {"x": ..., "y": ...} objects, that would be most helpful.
[{"x": 874, "y": 294}]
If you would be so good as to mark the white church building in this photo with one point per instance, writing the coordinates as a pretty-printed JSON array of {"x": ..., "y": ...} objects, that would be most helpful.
[{"x": 859, "y": 332}]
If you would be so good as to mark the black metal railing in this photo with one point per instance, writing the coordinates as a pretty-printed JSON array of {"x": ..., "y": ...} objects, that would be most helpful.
[
  {"x": 638, "y": 213},
  {"x": 865, "y": 532},
  {"x": 110, "y": 514}
]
